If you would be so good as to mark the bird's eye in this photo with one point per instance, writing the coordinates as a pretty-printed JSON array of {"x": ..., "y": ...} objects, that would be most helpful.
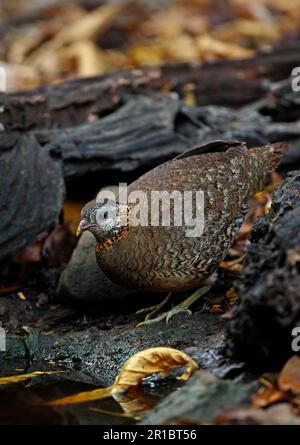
[{"x": 105, "y": 216}]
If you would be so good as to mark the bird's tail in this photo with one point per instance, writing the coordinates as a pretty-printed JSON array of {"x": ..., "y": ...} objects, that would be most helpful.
[
  {"x": 276, "y": 152},
  {"x": 264, "y": 160}
]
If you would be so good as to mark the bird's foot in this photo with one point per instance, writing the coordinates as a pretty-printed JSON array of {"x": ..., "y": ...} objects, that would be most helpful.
[
  {"x": 152, "y": 310},
  {"x": 152, "y": 320},
  {"x": 181, "y": 307}
]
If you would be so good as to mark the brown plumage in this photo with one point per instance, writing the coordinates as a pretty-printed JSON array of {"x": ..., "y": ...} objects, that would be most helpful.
[{"x": 161, "y": 258}]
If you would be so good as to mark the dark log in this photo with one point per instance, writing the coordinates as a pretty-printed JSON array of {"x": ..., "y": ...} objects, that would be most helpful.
[
  {"x": 31, "y": 191},
  {"x": 227, "y": 83},
  {"x": 260, "y": 331},
  {"x": 145, "y": 130}
]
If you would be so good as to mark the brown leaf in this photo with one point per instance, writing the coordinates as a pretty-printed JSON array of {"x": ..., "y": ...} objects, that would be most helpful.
[
  {"x": 245, "y": 230},
  {"x": 217, "y": 309},
  {"x": 268, "y": 396},
  {"x": 233, "y": 267},
  {"x": 289, "y": 378},
  {"x": 9, "y": 289}
]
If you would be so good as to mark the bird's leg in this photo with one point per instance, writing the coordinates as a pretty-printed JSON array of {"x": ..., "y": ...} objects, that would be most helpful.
[
  {"x": 152, "y": 310},
  {"x": 185, "y": 304},
  {"x": 181, "y": 307}
]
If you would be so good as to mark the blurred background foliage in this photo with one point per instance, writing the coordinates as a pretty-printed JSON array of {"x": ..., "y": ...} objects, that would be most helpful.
[{"x": 46, "y": 41}]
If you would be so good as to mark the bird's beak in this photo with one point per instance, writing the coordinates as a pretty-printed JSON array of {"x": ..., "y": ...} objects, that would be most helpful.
[{"x": 83, "y": 225}]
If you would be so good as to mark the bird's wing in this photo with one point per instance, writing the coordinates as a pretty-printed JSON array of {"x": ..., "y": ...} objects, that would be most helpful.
[
  {"x": 193, "y": 170},
  {"x": 210, "y": 147}
]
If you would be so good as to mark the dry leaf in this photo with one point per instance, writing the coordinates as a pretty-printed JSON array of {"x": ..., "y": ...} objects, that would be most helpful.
[
  {"x": 217, "y": 309},
  {"x": 86, "y": 28},
  {"x": 268, "y": 396},
  {"x": 276, "y": 180},
  {"x": 289, "y": 378},
  {"x": 209, "y": 46},
  {"x": 138, "y": 34},
  {"x": 21, "y": 296},
  {"x": 154, "y": 360},
  {"x": 82, "y": 397},
  {"x": 233, "y": 267},
  {"x": 257, "y": 30},
  {"x": 231, "y": 296},
  {"x": 87, "y": 57},
  {"x": 189, "y": 97},
  {"x": 286, "y": 387},
  {"x": 22, "y": 377},
  {"x": 293, "y": 257},
  {"x": 142, "y": 364},
  {"x": 19, "y": 77},
  {"x": 281, "y": 414},
  {"x": 109, "y": 412},
  {"x": 181, "y": 48},
  {"x": 134, "y": 403},
  {"x": 176, "y": 20},
  {"x": 149, "y": 55},
  {"x": 245, "y": 230}
]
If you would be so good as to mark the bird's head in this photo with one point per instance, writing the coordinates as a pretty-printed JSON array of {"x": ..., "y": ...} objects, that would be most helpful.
[{"x": 108, "y": 222}]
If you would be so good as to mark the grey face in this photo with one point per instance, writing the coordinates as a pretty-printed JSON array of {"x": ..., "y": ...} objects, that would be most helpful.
[{"x": 106, "y": 221}]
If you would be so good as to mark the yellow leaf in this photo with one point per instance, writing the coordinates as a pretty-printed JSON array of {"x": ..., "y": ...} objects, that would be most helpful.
[
  {"x": 21, "y": 296},
  {"x": 22, "y": 377},
  {"x": 134, "y": 403},
  {"x": 231, "y": 296},
  {"x": 160, "y": 360},
  {"x": 81, "y": 397},
  {"x": 89, "y": 59},
  {"x": 108, "y": 412},
  {"x": 210, "y": 46},
  {"x": 20, "y": 76},
  {"x": 152, "y": 361},
  {"x": 85, "y": 28}
]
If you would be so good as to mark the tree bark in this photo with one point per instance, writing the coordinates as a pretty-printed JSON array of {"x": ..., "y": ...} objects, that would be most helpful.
[{"x": 260, "y": 331}]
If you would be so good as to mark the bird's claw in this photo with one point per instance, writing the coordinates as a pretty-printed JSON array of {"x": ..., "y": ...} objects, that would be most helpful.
[
  {"x": 152, "y": 320},
  {"x": 164, "y": 316},
  {"x": 152, "y": 310},
  {"x": 182, "y": 307},
  {"x": 176, "y": 310}
]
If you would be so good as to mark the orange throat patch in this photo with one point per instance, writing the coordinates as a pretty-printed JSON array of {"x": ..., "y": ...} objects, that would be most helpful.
[{"x": 100, "y": 247}]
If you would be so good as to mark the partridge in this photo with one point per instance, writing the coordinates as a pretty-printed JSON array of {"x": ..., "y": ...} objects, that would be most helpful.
[{"x": 163, "y": 258}]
